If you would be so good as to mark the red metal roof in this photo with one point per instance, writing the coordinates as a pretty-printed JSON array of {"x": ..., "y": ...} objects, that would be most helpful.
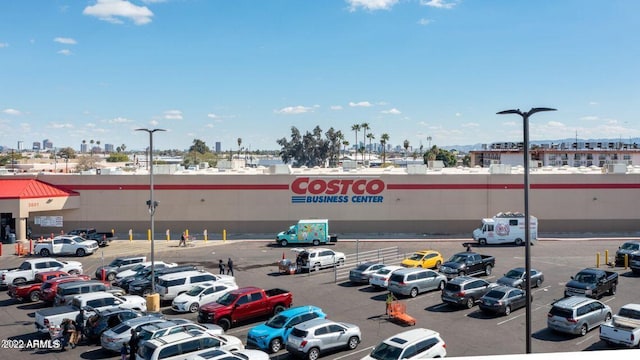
[{"x": 30, "y": 188}]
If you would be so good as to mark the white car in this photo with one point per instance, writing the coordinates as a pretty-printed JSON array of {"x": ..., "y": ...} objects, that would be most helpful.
[
  {"x": 141, "y": 267},
  {"x": 180, "y": 345},
  {"x": 381, "y": 277},
  {"x": 219, "y": 354},
  {"x": 191, "y": 300},
  {"x": 66, "y": 245},
  {"x": 412, "y": 344}
]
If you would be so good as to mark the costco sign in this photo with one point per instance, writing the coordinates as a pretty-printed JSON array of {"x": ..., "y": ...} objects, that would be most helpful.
[{"x": 317, "y": 190}]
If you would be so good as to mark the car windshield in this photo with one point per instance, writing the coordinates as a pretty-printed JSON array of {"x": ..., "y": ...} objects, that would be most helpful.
[
  {"x": 138, "y": 267},
  {"x": 514, "y": 274},
  {"x": 121, "y": 329},
  {"x": 363, "y": 267},
  {"x": 385, "y": 351},
  {"x": 495, "y": 294},
  {"x": 585, "y": 278},
  {"x": 383, "y": 271},
  {"x": 458, "y": 258},
  {"x": 227, "y": 299},
  {"x": 630, "y": 246},
  {"x": 276, "y": 322},
  {"x": 195, "y": 291},
  {"x": 416, "y": 257},
  {"x": 115, "y": 262},
  {"x": 25, "y": 266}
]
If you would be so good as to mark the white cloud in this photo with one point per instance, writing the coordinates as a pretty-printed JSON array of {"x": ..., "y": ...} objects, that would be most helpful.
[
  {"x": 393, "y": 111},
  {"x": 153, "y": 122},
  {"x": 589, "y": 118},
  {"x": 12, "y": 112},
  {"x": 510, "y": 123},
  {"x": 593, "y": 103},
  {"x": 4, "y": 45},
  {"x": 470, "y": 125},
  {"x": 209, "y": 126},
  {"x": 65, "y": 52},
  {"x": 60, "y": 126},
  {"x": 360, "y": 104},
  {"x": 555, "y": 124},
  {"x": 371, "y": 5},
  {"x": 119, "y": 120},
  {"x": 458, "y": 114},
  {"x": 67, "y": 41},
  {"x": 113, "y": 10},
  {"x": 173, "y": 115},
  {"x": 90, "y": 125},
  {"x": 335, "y": 107},
  {"x": 294, "y": 110},
  {"x": 424, "y": 22},
  {"x": 440, "y": 4},
  {"x": 212, "y": 116}
]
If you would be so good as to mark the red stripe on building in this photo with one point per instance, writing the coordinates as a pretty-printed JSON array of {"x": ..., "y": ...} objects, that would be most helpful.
[{"x": 181, "y": 187}]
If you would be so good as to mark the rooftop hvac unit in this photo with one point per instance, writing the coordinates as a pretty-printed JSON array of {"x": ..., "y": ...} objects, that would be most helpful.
[
  {"x": 616, "y": 168},
  {"x": 349, "y": 165},
  {"x": 499, "y": 169},
  {"x": 416, "y": 169},
  {"x": 279, "y": 169}
]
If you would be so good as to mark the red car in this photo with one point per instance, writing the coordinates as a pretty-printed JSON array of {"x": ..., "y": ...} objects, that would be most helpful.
[
  {"x": 49, "y": 288},
  {"x": 30, "y": 290}
]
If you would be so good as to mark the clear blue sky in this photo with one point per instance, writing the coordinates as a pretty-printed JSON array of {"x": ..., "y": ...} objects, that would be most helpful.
[{"x": 217, "y": 70}]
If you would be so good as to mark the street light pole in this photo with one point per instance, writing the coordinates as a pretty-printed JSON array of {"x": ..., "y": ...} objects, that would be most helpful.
[
  {"x": 527, "y": 221},
  {"x": 152, "y": 204}
]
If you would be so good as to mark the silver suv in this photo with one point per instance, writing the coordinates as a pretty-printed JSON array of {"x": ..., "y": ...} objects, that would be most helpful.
[
  {"x": 316, "y": 336},
  {"x": 413, "y": 281},
  {"x": 465, "y": 291},
  {"x": 577, "y": 315}
]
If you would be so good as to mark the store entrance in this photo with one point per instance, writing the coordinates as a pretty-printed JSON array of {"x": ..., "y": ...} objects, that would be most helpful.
[{"x": 7, "y": 226}]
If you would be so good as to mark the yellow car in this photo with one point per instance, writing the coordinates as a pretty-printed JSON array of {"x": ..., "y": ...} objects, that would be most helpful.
[{"x": 428, "y": 259}]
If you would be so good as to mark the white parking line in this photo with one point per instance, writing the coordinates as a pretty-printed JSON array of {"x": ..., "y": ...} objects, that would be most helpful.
[
  {"x": 353, "y": 352},
  {"x": 518, "y": 316},
  {"x": 585, "y": 339},
  {"x": 239, "y": 329}
]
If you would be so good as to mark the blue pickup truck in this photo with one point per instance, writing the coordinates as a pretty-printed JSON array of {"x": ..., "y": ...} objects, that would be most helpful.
[{"x": 271, "y": 336}]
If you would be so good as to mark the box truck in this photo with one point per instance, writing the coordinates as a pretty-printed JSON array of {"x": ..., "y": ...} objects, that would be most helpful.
[
  {"x": 507, "y": 227},
  {"x": 311, "y": 231}
]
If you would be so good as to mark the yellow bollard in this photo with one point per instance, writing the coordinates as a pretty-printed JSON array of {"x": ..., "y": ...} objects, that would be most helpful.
[
  {"x": 626, "y": 261},
  {"x": 597, "y": 260},
  {"x": 224, "y": 235},
  {"x": 168, "y": 235},
  {"x": 186, "y": 233},
  {"x": 130, "y": 235},
  {"x": 148, "y": 234},
  {"x": 113, "y": 232},
  {"x": 606, "y": 256},
  {"x": 206, "y": 237}
]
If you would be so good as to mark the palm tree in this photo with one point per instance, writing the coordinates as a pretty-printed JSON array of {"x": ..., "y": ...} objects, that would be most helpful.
[
  {"x": 239, "y": 148},
  {"x": 406, "y": 148},
  {"x": 370, "y": 136},
  {"x": 356, "y": 128},
  {"x": 123, "y": 147},
  {"x": 84, "y": 142},
  {"x": 365, "y": 127},
  {"x": 91, "y": 142},
  {"x": 383, "y": 141},
  {"x": 345, "y": 143},
  {"x": 98, "y": 144}
]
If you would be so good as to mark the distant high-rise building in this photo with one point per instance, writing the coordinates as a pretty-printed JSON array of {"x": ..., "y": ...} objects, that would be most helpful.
[
  {"x": 218, "y": 147},
  {"x": 20, "y": 145},
  {"x": 108, "y": 148},
  {"x": 83, "y": 148},
  {"x": 35, "y": 146},
  {"x": 46, "y": 144}
]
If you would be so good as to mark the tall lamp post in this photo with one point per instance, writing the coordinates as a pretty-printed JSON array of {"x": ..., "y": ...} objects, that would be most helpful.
[
  {"x": 152, "y": 204},
  {"x": 527, "y": 221}
]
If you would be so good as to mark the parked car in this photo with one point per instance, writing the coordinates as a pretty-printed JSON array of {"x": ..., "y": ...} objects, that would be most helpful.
[
  {"x": 30, "y": 290},
  {"x": 171, "y": 285},
  {"x": 106, "y": 319},
  {"x": 465, "y": 291},
  {"x": 141, "y": 268},
  {"x": 380, "y": 278},
  {"x": 413, "y": 344},
  {"x": 629, "y": 248},
  {"x": 503, "y": 300},
  {"x": 318, "y": 258},
  {"x": 577, "y": 315},
  {"x": 66, "y": 245},
  {"x": 103, "y": 238},
  {"x": 468, "y": 263},
  {"x": 113, "y": 337},
  {"x": 183, "y": 344},
  {"x": 29, "y": 268},
  {"x": 271, "y": 335},
  {"x": 593, "y": 283},
  {"x": 623, "y": 328},
  {"x": 141, "y": 284},
  {"x": 66, "y": 292},
  {"x": 516, "y": 278},
  {"x": 49, "y": 288},
  {"x": 312, "y": 338},
  {"x": 219, "y": 354},
  {"x": 414, "y": 281},
  {"x": 200, "y": 294},
  {"x": 172, "y": 326},
  {"x": 428, "y": 259},
  {"x": 117, "y": 265},
  {"x": 362, "y": 272}
]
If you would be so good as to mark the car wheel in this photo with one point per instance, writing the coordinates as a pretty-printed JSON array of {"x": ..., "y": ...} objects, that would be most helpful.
[
  {"x": 441, "y": 285},
  {"x": 414, "y": 292},
  {"x": 519, "y": 242},
  {"x": 194, "y": 307},
  {"x": 19, "y": 281},
  {"x": 612, "y": 291},
  {"x": 341, "y": 262},
  {"x": 74, "y": 272},
  {"x": 111, "y": 276},
  {"x": 224, "y": 323},
  {"x": 316, "y": 242},
  {"x": 278, "y": 309},
  {"x": 44, "y": 252},
  {"x": 470, "y": 302},
  {"x": 538, "y": 282},
  {"x": 34, "y": 296},
  {"x": 80, "y": 252},
  {"x": 316, "y": 267},
  {"x": 608, "y": 317},
  {"x": 482, "y": 242},
  {"x": 313, "y": 354},
  {"x": 438, "y": 263},
  {"x": 275, "y": 345},
  {"x": 487, "y": 270},
  {"x": 284, "y": 243},
  {"x": 507, "y": 310},
  {"x": 583, "y": 330},
  {"x": 353, "y": 342}
]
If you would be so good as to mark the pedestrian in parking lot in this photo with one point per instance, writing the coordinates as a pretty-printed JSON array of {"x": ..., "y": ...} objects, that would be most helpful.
[
  {"x": 133, "y": 344},
  {"x": 123, "y": 351},
  {"x": 221, "y": 266},
  {"x": 230, "y": 267},
  {"x": 79, "y": 327},
  {"x": 390, "y": 299},
  {"x": 183, "y": 240}
]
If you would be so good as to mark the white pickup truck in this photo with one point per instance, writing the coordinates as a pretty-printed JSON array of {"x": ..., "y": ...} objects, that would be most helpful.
[
  {"x": 29, "y": 268},
  {"x": 623, "y": 328},
  {"x": 66, "y": 245},
  {"x": 51, "y": 318}
]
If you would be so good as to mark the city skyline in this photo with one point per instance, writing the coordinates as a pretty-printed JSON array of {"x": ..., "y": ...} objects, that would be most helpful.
[{"x": 218, "y": 71}]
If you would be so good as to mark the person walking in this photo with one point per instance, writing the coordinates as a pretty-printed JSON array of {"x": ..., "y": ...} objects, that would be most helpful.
[
  {"x": 79, "y": 328},
  {"x": 388, "y": 302},
  {"x": 221, "y": 266},
  {"x": 133, "y": 344},
  {"x": 183, "y": 240},
  {"x": 67, "y": 329},
  {"x": 123, "y": 351},
  {"x": 230, "y": 267}
]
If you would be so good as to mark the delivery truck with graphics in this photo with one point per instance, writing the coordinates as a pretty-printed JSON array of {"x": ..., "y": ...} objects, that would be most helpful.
[
  {"x": 308, "y": 231},
  {"x": 505, "y": 228}
]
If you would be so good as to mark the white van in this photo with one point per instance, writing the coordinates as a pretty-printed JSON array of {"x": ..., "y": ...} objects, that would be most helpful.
[
  {"x": 171, "y": 285},
  {"x": 180, "y": 345}
]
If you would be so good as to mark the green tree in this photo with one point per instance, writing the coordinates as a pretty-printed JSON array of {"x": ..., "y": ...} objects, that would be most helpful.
[
  {"x": 370, "y": 136},
  {"x": 310, "y": 149},
  {"x": 356, "y": 128},
  {"x": 199, "y": 146},
  {"x": 365, "y": 127},
  {"x": 67, "y": 152},
  {"x": 118, "y": 157},
  {"x": 86, "y": 163},
  {"x": 384, "y": 138}
]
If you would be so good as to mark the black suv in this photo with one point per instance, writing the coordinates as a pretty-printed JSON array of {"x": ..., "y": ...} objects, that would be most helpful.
[
  {"x": 143, "y": 286},
  {"x": 465, "y": 291}
]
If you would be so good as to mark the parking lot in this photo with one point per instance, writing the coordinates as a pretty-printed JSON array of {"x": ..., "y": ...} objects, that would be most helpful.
[{"x": 467, "y": 332}]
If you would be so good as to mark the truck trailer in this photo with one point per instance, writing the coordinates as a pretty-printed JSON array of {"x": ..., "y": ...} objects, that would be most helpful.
[
  {"x": 504, "y": 228},
  {"x": 308, "y": 231}
]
